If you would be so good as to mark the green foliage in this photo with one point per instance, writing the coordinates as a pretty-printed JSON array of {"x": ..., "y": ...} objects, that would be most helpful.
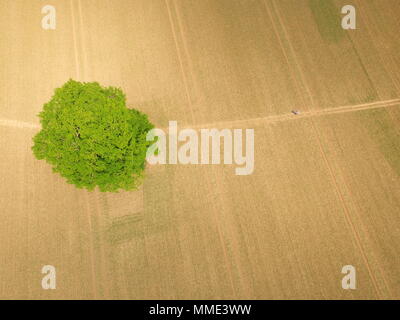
[{"x": 92, "y": 139}]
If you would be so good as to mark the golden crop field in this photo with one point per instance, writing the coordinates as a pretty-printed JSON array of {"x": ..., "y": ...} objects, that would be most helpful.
[{"x": 325, "y": 191}]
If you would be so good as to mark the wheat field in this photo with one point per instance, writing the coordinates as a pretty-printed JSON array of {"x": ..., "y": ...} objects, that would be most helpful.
[{"x": 325, "y": 191}]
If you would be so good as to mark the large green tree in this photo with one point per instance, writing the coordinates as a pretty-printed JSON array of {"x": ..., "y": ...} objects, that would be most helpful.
[{"x": 92, "y": 139}]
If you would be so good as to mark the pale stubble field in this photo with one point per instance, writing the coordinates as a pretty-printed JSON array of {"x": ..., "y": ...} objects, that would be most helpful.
[{"x": 325, "y": 191}]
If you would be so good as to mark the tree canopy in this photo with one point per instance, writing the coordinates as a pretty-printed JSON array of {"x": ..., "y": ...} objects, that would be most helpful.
[{"x": 92, "y": 139}]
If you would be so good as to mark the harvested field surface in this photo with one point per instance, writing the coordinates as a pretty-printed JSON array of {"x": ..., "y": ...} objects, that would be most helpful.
[
  {"x": 325, "y": 191},
  {"x": 334, "y": 66}
]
